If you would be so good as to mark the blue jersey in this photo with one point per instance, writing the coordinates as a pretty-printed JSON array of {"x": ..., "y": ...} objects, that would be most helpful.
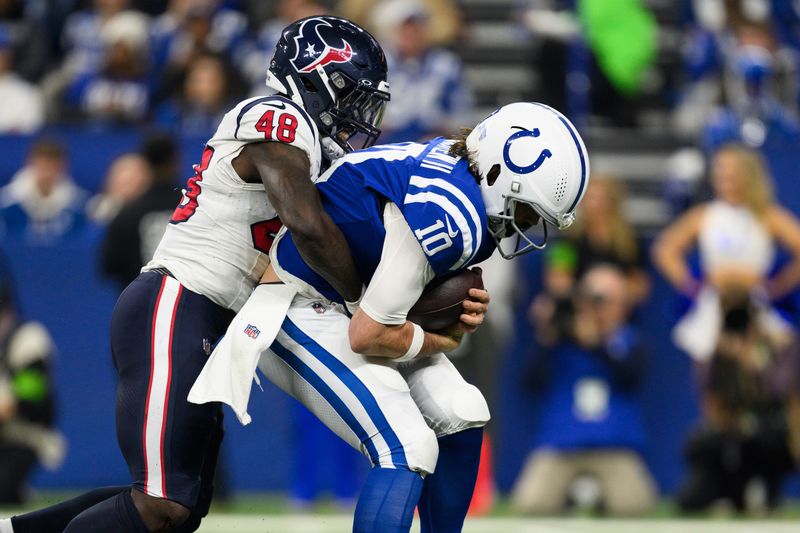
[{"x": 438, "y": 196}]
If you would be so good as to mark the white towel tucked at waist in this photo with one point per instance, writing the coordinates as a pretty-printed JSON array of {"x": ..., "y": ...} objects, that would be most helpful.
[{"x": 228, "y": 374}]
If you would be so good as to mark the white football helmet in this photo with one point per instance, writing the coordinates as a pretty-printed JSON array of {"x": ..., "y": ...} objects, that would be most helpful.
[{"x": 528, "y": 153}]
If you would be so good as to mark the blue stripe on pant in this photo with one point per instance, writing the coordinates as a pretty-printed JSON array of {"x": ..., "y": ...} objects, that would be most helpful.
[
  {"x": 321, "y": 387},
  {"x": 352, "y": 382}
]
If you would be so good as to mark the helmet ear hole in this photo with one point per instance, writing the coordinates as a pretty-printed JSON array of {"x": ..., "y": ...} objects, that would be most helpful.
[{"x": 493, "y": 174}]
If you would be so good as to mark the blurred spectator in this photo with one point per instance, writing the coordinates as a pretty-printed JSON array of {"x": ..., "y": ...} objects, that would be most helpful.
[
  {"x": 188, "y": 29},
  {"x": 684, "y": 179},
  {"x": 23, "y": 23},
  {"x": 134, "y": 234},
  {"x": 750, "y": 391},
  {"x": 27, "y": 437},
  {"x": 430, "y": 95},
  {"x": 23, "y": 109},
  {"x": 42, "y": 204},
  {"x": 253, "y": 58},
  {"x": 601, "y": 234},
  {"x": 559, "y": 49},
  {"x": 590, "y": 420},
  {"x": 445, "y": 28},
  {"x": 742, "y": 79},
  {"x": 736, "y": 234},
  {"x": 786, "y": 18},
  {"x": 163, "y": 28},
  {"x": 760, "y": 92},
  {"x": 128, "y": 177},
  {"x": 119, "y": 91},
  {"x": 84, "y": 51},
  {"x": 593, "y": 55},
  {"x": 205, "y": 99}
]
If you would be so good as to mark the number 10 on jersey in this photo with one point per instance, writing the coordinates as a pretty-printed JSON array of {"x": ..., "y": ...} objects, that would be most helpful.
[{"x": 434, "y": 238}]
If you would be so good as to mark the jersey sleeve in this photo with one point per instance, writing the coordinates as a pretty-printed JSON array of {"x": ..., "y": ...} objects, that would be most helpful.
[
  {"x": 401, "y": 275},
  {"x": 276, "y": 119},
  {"x": 445, "y": 223}
]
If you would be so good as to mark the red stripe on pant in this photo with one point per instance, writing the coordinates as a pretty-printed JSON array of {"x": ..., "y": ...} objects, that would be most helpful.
[{"x": 155, "y": 423}]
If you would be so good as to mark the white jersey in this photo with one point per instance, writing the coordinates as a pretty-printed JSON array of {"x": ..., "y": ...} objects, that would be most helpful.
[{"x": 217, "y": 241}]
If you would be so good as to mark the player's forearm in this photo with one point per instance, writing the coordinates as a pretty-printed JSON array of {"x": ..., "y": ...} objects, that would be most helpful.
[
  {"x": 319, "y": 241},
  {"x": 285, "y": 173},
  {"x": 437, "y": 343},
  {"x": 369, "y": 337},
  {"x": 378, "y": 339},
  {"x": 324, "y": 249}
]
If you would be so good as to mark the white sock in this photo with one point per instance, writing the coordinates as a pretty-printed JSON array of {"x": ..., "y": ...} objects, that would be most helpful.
[{"x": 5, "y": 525}]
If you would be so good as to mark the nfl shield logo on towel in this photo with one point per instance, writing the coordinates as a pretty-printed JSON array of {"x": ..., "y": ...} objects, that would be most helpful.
[{"x": 251, "y": 331}]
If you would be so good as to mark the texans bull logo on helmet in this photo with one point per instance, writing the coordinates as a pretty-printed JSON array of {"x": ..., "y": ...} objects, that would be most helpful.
[{"x": 314, "y": 51}]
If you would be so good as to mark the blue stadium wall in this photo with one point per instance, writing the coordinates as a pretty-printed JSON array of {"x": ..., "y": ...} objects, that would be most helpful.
[{"x": 61, "y": 287}]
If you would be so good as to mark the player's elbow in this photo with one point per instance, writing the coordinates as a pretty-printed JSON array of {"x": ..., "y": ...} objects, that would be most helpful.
[
  {"x": 361, "y": 345},
  {"x": 365, "y": 334},
  {"x": 361, "y": 341}
]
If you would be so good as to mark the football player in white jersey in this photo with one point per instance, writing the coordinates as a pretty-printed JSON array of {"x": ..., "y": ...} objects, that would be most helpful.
[
  {"x": 411, "y": 213},
  {"x": 329, "y": 78}
]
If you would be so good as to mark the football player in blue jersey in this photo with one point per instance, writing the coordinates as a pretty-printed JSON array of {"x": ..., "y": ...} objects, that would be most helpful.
[
  {"x": 256, "y": 173},
  {"x": 410, "y": 213}
]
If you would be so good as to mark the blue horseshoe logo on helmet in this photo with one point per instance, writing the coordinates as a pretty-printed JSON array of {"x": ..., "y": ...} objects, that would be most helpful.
[{"x": 533, "y": 166}]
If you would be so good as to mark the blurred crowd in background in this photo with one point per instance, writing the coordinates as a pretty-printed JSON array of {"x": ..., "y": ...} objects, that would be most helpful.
[
  {"x": 690, "y": 111},
  {"x": 179, "y": 65}
]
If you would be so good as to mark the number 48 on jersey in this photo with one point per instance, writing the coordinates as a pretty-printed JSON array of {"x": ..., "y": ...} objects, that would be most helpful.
[{"x": 283, "y": 131}]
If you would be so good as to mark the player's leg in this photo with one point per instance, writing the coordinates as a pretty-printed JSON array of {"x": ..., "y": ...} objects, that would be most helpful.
[
  {"x": 203, "y": 503},
  {"x": 457, "y": 412},
  {"x": 159, "y": 330},
  {"x": 367, "y": 403},
  {"x": 204, "y": 497},
  {"x": 118, "y": 513},
  {"x": 55, "y": 518}
]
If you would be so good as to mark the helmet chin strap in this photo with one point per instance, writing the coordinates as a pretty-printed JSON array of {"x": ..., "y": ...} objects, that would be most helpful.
[
  {"x": 326, "y": 81},
  {"x": 296, "y": 97},
  {"x": 288, "y": 89},
  {"x": 275, "y": 84}
]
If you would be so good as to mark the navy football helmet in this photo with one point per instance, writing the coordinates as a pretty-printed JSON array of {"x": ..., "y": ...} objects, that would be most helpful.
[{"x": 337, "y": 71}]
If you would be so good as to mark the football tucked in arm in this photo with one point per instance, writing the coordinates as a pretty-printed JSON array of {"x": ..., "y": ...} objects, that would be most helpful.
[{"x": 440, "y": 304}]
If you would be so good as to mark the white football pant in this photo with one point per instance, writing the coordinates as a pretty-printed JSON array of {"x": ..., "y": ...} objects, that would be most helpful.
[{"x": 392, "y": 415}]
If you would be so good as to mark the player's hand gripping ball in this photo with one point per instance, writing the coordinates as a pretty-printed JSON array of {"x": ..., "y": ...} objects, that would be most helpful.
[{"x": 440, "y": 305}]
